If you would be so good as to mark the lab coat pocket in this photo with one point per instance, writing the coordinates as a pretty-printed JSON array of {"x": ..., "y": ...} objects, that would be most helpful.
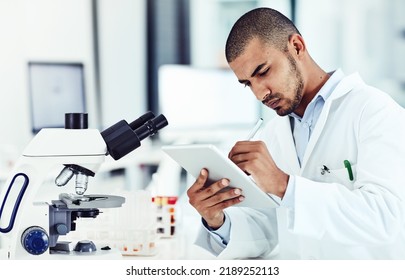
[{"x": 345, "y": 176}]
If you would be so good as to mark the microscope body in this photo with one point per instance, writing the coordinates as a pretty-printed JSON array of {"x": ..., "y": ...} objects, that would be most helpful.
[
  {"x": 33, "y": 210},
  {"x": 48, "y": 152}
]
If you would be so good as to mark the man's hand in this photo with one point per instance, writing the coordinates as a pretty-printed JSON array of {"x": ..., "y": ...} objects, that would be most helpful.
[
  {"x": 211, "y": 200},
  {"x": 254, "y": 159}
]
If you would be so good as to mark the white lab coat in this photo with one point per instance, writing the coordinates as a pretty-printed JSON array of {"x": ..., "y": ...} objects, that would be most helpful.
[{"x": 332, "y": 217}]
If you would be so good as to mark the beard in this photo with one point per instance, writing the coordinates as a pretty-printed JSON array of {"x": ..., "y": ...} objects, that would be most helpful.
[{"x": 297, "y": 87}]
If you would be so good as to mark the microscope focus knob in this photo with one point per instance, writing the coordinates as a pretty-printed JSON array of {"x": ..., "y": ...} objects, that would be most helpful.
[
  {"x": 61, "y": 229},
  {"x": 35, "y": 240}
]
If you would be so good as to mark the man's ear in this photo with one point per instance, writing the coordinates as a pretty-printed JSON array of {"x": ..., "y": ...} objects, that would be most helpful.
[{"x": 297, "y": 44}]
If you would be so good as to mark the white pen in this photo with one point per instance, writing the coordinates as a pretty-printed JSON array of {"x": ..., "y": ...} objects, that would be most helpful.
[{"x": 255, "y": 129}]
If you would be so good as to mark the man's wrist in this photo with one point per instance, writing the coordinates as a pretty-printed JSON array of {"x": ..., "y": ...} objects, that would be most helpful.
[{"x": 212, "y": 225}]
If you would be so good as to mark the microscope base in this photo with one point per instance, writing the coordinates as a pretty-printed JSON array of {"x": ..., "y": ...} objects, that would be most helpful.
[{"x": 97, "y": 255}]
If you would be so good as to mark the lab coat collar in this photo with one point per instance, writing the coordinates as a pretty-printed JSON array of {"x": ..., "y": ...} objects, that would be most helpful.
[
  {"x": 326, "y": 90},
  {"x": 345, "y": 86}
]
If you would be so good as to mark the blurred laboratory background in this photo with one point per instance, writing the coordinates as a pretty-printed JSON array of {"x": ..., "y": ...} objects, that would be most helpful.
[{"x": 117, "y": 59}]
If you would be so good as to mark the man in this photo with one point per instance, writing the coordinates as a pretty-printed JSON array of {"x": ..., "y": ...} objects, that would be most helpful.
[{"x": 334, "y": 155}]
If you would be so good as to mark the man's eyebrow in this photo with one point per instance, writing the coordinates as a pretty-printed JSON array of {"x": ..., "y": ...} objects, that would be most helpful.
[{"x": 258, "y": 68}]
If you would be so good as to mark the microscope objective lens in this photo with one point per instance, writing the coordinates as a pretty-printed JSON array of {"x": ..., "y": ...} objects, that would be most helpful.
[
  {"x": 64, "y": 176},
  {"x": 81, "y": 183}
]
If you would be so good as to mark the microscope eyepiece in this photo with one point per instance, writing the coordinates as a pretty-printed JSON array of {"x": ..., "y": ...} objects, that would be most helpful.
[
  {"x": 122, "y": 138},
  {"x": 151, "y": 127},
  {"x": 141, "y": 120}
]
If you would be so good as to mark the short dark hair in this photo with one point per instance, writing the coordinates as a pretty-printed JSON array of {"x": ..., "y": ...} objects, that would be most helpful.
[{"x": 266, "y": 24}]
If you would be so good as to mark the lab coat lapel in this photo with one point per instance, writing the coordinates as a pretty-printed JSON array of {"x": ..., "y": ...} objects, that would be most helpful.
[
  {"x": 315, "y": 134},
  {"x": 344, "y": 87}
]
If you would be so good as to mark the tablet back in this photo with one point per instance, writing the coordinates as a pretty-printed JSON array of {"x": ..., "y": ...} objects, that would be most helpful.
[{"x": 194, "y": 157}]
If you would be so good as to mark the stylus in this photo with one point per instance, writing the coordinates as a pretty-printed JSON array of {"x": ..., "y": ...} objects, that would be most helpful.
[{"x": 255, "y": 129}]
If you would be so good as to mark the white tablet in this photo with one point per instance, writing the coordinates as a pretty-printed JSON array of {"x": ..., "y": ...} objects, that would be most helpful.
[{"x": 195, "y": 157}]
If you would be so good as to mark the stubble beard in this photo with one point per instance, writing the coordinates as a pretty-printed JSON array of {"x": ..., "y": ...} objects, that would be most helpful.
[{"x": 291, "y": 104}]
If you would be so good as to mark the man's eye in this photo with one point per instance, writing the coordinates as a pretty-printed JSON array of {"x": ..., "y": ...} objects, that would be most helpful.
[
  {"x": 264, "y": 73},
  {"x": 247, "y": 84}
]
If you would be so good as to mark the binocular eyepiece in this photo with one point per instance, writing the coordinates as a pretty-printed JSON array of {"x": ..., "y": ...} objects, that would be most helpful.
[{"x": 122, "y": 138}]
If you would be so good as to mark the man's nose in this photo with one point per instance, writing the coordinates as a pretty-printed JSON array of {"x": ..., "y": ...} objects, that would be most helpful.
[{"x": 259, "y": 90}]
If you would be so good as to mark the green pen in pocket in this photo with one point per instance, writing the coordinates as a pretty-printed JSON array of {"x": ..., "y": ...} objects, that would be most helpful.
[{"x": 349, "y": 169}]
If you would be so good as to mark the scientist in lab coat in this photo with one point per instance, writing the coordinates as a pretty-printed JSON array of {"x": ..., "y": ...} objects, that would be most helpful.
[{"x": 334, "y": 155}]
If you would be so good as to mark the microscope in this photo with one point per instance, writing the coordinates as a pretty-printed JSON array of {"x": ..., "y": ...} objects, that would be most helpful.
[{"x": 29, "y": 226}]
